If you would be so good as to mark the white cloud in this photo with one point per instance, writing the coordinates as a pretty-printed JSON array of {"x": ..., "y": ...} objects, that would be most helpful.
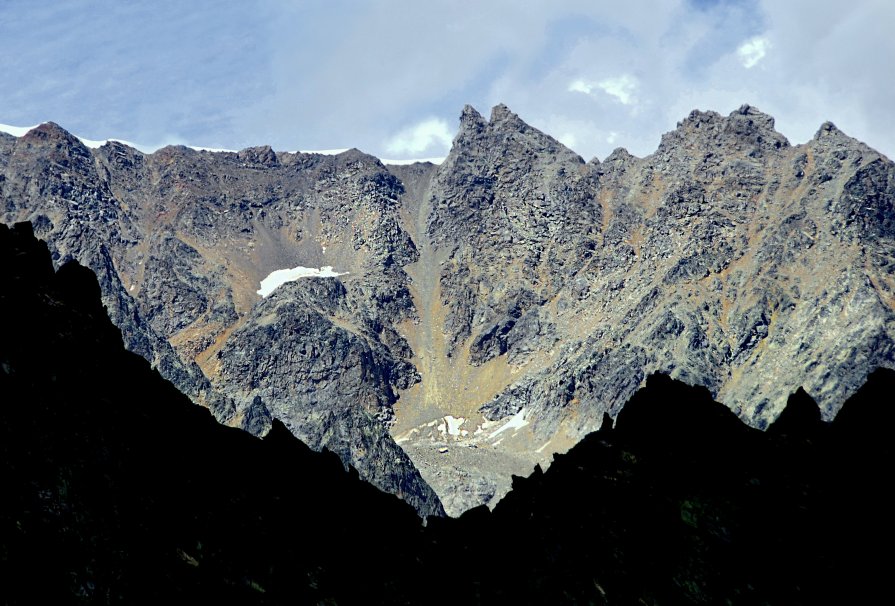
[
  {"x": 433, "y": 133},
  {"x": 622, "y": 87},
  {"x": 581, "y": 86},
  {"x": 753, "y": 51}
]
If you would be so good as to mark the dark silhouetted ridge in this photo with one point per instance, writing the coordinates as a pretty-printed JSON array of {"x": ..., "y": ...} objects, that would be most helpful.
[{"x": 116, "y": 489}]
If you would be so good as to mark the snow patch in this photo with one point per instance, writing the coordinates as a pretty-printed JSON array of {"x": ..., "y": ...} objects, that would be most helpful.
[
  {"x": 281, "y": 276},
  {"x": 516, "y": 422},
  {"x": 450, "y": 425},
  {"x": 453, "y": 424}
]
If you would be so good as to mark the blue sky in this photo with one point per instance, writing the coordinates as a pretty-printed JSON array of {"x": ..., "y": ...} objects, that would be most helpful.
[{"x": 391, "y": 76}]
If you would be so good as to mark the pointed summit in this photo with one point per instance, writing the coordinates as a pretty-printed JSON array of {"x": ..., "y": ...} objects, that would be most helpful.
[
  {"x": 471, "y": 118},
  {"x": 501, "y": 112},
  {"x": 800, "y": 418},
  {"x": 50, "y": 131},
  {"x": 504, "y": 119},
  {"x": 826, "y": 129},
  {"x": 745, "y": 131},
  {"x": 51, "y": 139},
  {"x": 749, "y": 120},
  {"x": 619, "y": 155},
  {"x": 470, "y": 113},
  {"x": 506, "y": 131},
  {"x": 258, "y": 156},
  {"x": 472, "y": 124},
  {"x": 748, "y": 110}
]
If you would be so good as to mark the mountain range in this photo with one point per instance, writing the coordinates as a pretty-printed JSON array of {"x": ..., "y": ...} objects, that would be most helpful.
[{"x": 486, "y": 313}]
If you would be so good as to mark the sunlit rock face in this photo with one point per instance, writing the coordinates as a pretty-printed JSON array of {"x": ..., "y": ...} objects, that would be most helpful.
[{"x": 482, "y": 314}]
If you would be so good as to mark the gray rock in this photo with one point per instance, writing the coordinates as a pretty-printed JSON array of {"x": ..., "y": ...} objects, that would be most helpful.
[
  {"x": 512, "y": 283},
  {"x": 180, "y": 240}
]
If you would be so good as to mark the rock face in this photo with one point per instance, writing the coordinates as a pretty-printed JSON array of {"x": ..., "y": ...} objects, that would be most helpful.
[
  {"x": 496, "y": 306},
  {"x": 180, "y": 241},
  {"x": 331, "y": 386},
  {"x": 728, "y": 259}
]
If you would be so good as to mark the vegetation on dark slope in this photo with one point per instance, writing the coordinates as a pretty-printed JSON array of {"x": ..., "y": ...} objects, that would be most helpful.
[{"x": 116, "y": 489}]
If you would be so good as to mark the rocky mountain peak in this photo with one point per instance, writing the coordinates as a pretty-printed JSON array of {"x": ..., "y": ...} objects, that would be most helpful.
[
  {"x": 753, "y": 127},
  {"x": 615, "y": 163},
  {"x": 746, "y": 132},
  {"x": 169, "y": 152},
  {"x": 754, "y": 115},
  {"x": 619, "y": 155},
  {"x": 501, "y": 115},
  {"x": 263, "y": 156},
  {"x": 471, "y": 121},
  {"x": 827, "y": 129},
  {"x": 52, "y": 137},
  {"x": 354, "y": 155},
  {"x": 49, "y": 131},
  {"x": 504, "y": 135}
]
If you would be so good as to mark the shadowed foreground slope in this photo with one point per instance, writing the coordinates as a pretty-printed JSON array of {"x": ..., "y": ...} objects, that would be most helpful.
[
  {"x": 682, "y": 503},
  {"x": 116, "y": 489}
]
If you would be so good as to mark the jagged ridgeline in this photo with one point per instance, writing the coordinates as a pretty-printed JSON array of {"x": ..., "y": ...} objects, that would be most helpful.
[
  {"x": 117, "y": 489},
  {"x": 490, "y": 310}
]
